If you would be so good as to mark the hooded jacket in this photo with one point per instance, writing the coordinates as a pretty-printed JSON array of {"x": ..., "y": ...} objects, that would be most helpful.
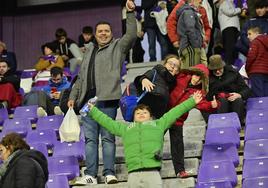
[
  {"x": 257, "y": 58},
  {"x": 11, "y": 78},
  {"x": 183, "y": 90},
  {"x": 189, "y": 27},
  {"x": 28, "y": 169}
]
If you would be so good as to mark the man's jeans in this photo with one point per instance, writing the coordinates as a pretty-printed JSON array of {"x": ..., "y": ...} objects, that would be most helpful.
[{"x": 92, "y": 131}]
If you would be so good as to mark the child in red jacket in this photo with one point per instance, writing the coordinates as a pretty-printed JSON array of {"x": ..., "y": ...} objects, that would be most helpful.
[
  {"x": 188, "y": 81},
  {"x": 257, "y": 65}
]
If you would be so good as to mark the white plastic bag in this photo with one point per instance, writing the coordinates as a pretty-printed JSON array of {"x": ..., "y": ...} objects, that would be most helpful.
[{"x": 70, "y": 128}]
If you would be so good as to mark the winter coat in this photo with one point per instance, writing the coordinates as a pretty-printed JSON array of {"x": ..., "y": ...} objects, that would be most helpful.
[
  {"x": 148, "y": 6},
  {"x": 257, "y": 58},
  {"x": 63, "y": 49},
  {"x": 243, "y": 42},
  {"x": 45, "y": 63},
  {"x": 108, "y": 64},
  {"x": 143, "y": 142},
  {"x": 28, "y": 169},
  {"x": 157, "y": 99},
  {"x": 173, "y": 19},
  {"x": 11, "y": 78},
  {"x": 183, "y": 90},
  {"x": 189, "y": 28},
  {"x": 230, "y": 81}
]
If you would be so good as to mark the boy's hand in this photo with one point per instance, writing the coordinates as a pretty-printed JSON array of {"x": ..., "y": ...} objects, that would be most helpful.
[
  {"x": 90, "y": 105},
  {"x": 214, "y": 103},
  {"x": 147, "y": 85},
  {"x": 197, "y": 96}
]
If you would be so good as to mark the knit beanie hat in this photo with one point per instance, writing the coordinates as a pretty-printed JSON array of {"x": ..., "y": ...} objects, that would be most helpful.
[{"x": 215, "y": 62}]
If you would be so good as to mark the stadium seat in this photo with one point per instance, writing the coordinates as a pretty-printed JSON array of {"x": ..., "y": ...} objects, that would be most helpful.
[
  {"x": 254, "y": 168},
  {"x": 256, "y": 149},
  {"x": 64, "y": 165},
  {"x": 222, "y": 135},
  {"x": 214, "y": 171},
  {"x": 256, "y": 116},
  {"x": 220, "y": 184},
  {"x": 3, "y": 115},
  {"x": 49, "y": 122},
  {"x": 224, "y": 120},
  {"x": 255, "y": 182},
  {"x": 76, "y": 149},
  {"x": 17, "y": 125},
  {"x": 42, "y": 136},
  {"x": 220, "y": 152},
  {"x": 57, "y": 181},
  {"x": 256, "y": 131},
  {"x": 29, "y": 112},
  {"x": 42, "y": 147},
  {"x": 257, "y": 103}
]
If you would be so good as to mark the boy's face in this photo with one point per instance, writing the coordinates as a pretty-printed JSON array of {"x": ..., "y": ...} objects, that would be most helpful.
[
  {"x": 3, "y": 68},
  {"x": 196, "y": 80},
  {"x": 261, "y": 11},
  {"x": 62, "y": 39},
  {"x": 142, "y": 115},
  {"x": 87, "y": 37},
  {"x": 252, "y": 35},
  {"x": 173, "y": 66},
  {"x": 218, "y": 72},
  {"x": 56, "y": 79},
  {"x": 47, "y": 51}
]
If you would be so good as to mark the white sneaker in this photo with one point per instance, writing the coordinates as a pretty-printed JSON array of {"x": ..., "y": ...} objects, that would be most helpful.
[
  {"x": 57, "y": 111},
  {"x": 41, "y": 112},
  {"x": 86, "y": 180},
  {"x": 110, "y": 179}
]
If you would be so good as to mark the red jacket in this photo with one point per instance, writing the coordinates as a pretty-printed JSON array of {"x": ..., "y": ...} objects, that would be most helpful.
[
  {"x": 182, "y": 92},
  {"x": 172, "y": 23},
  {"x": 257, "y": 58}
]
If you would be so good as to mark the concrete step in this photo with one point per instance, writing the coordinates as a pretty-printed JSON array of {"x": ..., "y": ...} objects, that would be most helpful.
[{"x": 167, "y": 171}]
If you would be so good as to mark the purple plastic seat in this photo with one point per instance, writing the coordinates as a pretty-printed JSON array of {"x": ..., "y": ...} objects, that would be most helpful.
[
  {"x": 3, "y": 115},
  {"x": 256, "y": 149},
  {"x": 17, "y": 125},
  {"x": 256, "y": 116},
  {"x": 224, "y": 120},
  {"x": 257, "y": 103},
  {"x": 49, "y": 122},
  {"x": 28, "y": 73},
  {"x": 222, "y": 135},
  {"x": 57, "y": 181},
  {"x": 255, "y": 183},
  {"x": 220, "y": 152},
  {"x": 76, "y": 149},
  {"x": 63, "y": 165},
  {"x": 29, "y": 112},
  {"x": 223, "y": 184},
  {"x": 254, "y": 168},
  {"x": 48, "y": 137},
  {"x": 42, "y": 147},
  {"x": 256, "y": 131},
  {"x": 214, "y": 171}
]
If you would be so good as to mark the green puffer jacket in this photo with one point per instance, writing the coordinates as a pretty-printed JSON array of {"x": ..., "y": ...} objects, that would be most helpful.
[{"x": 142, "y": 140}]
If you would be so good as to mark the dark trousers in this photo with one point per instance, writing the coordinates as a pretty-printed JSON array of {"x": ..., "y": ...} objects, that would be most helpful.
[
  {"x": 229, "y": 38},
  {"x": 259, "y": 84},
  {"x": 237, "y": 106},
  {"x": 177, "y": 148}
]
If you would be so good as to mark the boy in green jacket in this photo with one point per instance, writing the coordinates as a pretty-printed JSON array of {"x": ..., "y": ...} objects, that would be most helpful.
[{"x": 143, "y": 140}]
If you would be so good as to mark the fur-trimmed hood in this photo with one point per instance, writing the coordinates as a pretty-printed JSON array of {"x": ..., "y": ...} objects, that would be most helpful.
[{"x": 200, "y": 70}]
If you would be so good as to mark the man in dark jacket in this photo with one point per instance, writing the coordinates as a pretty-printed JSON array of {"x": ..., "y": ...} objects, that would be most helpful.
[
  {"x": 228, "y": 86},
  {"x": 10, "y": 83}
]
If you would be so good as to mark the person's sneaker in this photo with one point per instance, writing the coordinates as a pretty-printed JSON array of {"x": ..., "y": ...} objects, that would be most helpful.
[
  {"x": 57, "y": 111},
  {"x": 41, "y": 112},
  {"x": 183, "y": 174},
  {"x": 110, "y": 179},
  {"x": 86, "y": 180}
]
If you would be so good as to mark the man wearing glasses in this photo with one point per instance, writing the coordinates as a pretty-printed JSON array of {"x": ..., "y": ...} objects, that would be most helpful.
[{"x": 48, "y": 98}]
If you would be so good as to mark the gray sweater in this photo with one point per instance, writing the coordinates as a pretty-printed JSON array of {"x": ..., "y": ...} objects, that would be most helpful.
[{"x": 108, "y": 64}]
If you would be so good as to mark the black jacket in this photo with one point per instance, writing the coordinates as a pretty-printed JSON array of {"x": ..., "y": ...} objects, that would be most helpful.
[
  {"x": 28, "y": 169},
  {"x": 230, "y": 81},
  {"x": 158, "y": 99},
  {"x": 12, "y": 78}
]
